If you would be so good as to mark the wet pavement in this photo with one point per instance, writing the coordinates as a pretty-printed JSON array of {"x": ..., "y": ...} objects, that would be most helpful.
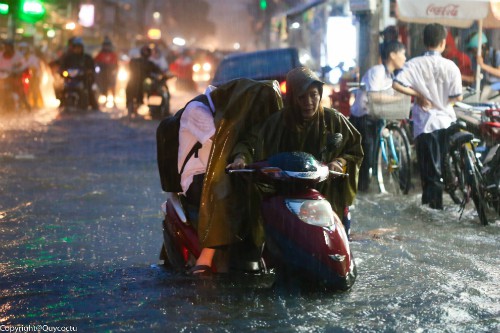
[{"x": 80, "y": 234}]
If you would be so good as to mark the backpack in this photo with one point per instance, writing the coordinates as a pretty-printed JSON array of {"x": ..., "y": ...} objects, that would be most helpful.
[{"x": 167, "y": 148}]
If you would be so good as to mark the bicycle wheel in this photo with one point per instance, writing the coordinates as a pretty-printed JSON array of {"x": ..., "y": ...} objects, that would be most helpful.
[
  {"x": 454, "y": 177},
  {"x": 475, "y": 182},
  {"x": 393, "y": 161}
]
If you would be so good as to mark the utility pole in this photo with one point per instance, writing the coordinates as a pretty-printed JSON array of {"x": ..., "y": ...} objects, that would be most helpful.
[
  {"x": 369, "y": 52},
  {"x": 368, "y": 13}
]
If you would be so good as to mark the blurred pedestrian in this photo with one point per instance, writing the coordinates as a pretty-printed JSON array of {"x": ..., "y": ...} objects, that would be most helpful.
[
  {"x": 489, "y": 61},
  {"x": 461, "y": 59}
]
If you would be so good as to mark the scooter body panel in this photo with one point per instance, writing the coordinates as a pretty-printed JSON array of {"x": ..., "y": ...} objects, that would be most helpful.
[
  {"x": 319, "y": 253},
  {"x": 182, "y": 235}
]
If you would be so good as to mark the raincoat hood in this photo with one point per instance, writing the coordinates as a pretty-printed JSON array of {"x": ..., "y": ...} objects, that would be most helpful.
[{"x": 299, "y": 79}]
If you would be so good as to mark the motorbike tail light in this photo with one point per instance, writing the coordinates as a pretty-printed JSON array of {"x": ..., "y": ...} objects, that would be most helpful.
[
  {"x": 283, "y": 87},
  {"x": 315, "y": 212}
]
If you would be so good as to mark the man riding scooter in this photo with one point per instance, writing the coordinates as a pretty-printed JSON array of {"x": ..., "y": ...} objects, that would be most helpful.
[
  {"x": 77, "y": 58},
  {"x": 140, "y": 69}
]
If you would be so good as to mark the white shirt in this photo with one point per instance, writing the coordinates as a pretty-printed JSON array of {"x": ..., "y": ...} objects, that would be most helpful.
[
  {"x": 13, "y": 64},
  {"x": 438, "y": 79},
  {"x": 197, "y": 125},
  {"x": 376, "y": 78}
]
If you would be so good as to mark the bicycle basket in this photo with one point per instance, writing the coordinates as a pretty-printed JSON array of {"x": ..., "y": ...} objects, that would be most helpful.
[{"x": 389, "y": 104}]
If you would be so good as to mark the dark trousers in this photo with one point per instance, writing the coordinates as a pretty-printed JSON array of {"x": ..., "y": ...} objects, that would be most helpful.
[
  {"x": 431, "y": 151},
  {"x": 193, "y": 199},
  {"x": 367, "y": 127}
]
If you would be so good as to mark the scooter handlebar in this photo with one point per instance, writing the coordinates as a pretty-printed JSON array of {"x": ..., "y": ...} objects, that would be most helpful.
[
  {"x": 338, "y": 174},
  {"x": 229, "y": 171}
]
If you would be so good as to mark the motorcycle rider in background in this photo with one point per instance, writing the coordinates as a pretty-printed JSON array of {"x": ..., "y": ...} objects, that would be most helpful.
[
  {"x": 77, "y": 58},
  {"x": 107, "y": 62},
  {"x": 158, "y": 58},
  {"x": 139, "y": 68},
  {"x": 11, "y": 67},
  {"x": 33, "y": 73}
]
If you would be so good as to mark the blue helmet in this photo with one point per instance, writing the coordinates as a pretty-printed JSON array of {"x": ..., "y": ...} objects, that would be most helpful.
[{"x": 77, "y": 41}]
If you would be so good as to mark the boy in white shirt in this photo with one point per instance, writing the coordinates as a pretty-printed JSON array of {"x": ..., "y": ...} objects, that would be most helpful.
[
  {"x": 377, "y": 78},
  {"x": 436, "y": 84}
]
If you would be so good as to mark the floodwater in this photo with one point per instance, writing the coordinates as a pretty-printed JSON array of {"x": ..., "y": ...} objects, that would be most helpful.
[{"x": 80, "y": 234}]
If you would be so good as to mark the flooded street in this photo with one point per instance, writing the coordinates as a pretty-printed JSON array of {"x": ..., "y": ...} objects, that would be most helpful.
[{"x": 80, "y": 234}]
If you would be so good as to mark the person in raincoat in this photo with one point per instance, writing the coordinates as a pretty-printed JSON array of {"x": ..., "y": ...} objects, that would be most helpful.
[
  {"x": 304, "y": 125},
  {"x": 239, "y": 107}
]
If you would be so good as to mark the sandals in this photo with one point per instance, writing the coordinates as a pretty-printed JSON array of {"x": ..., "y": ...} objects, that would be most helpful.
[{"x": 200, "y": 270}]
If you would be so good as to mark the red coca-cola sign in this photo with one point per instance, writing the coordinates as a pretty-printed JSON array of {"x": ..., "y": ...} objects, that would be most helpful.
[{"x": 446, "y": 10}]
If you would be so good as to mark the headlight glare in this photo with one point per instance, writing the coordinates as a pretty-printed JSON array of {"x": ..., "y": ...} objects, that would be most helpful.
[{"x": 314, "y": 212}]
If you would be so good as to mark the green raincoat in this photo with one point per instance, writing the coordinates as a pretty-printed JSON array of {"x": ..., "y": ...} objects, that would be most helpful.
[
  {"x": 241, "y": 106},
  {"x": 286, "y": 131},
  {"x": 276, "y": 137}
]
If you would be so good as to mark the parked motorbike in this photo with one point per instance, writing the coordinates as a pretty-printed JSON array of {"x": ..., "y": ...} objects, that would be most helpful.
[
  {"x": 158, "y": 96},
  {"x": 342, "y": 96},
  {"x": 75, "y": 93},
  {"x": 305, "y": 240},
  {"x": 483, "y": 120}
]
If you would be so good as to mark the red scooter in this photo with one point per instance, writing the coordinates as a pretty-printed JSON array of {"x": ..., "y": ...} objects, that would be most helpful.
[{"x": 304, "y": 238}]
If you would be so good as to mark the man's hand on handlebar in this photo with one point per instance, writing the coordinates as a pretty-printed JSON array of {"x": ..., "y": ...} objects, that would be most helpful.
[
  {"x": 337, "y": 165},
  {"x": 238, "y": 163}
]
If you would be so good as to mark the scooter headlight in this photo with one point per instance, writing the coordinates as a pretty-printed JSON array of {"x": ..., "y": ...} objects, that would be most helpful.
[{"x": 314, "y": 212}]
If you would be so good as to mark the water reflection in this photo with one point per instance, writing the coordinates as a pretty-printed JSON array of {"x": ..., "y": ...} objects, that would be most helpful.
[{"x": 80, "y": 232}]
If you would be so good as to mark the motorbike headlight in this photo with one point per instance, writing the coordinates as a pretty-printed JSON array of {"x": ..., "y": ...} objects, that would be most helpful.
[
  {"x": 314, "y": 212},
  {"x": 207, "y": 67},
  {"x": 122, "y": 74}
]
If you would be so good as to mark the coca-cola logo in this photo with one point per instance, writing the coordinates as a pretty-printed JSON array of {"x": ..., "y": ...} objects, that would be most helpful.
[{"x": 447, "y": 10}]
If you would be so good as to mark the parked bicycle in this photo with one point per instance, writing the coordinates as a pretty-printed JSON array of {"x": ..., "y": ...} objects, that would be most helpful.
[
  {"x": 393, "y": 151},
  {"x": 467, "y": 178}
]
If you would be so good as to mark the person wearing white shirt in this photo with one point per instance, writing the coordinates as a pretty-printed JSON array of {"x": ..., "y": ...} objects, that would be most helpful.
[
  {"x": 436, "y": 84},
  {"x": 377, "y": 78},
  {"x": 196, "y": 126}
]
